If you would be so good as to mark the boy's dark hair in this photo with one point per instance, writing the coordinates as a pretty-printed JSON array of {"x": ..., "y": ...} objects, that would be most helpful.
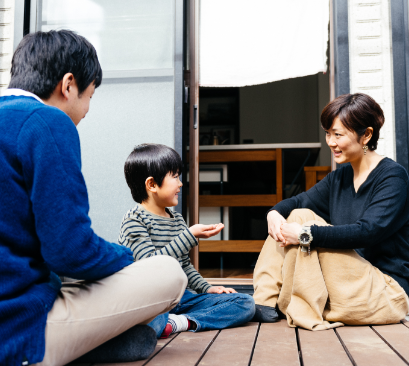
[
  {"x": 43, "y": 58},
  {"x": 150, "y": 160},
  {"x": 357, "y": 112}
]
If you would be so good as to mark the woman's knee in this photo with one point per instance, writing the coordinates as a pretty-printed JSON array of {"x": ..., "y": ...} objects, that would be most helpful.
[{"x": 302, "y": 215}]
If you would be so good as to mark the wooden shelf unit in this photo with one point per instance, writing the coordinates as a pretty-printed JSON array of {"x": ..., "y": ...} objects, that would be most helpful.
[
  {"x": 314, "y": 174},
  {"x": 253, "y": 200}
]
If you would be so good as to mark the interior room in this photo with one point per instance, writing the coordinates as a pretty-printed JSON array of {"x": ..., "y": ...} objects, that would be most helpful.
[{"x": 282, "y": 114}]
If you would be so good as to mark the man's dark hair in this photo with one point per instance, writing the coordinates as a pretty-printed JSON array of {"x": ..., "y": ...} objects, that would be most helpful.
[
  {"x": 150, "y": 160},
  {"x": 43, "y": 58},
  {"x": 357, "y": 112}
]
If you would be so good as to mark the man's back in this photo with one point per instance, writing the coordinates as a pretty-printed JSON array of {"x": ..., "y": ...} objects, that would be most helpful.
[{"x": 45, "y": 228}]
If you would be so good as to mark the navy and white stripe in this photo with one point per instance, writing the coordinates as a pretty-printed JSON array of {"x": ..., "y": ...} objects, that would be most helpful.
[{"x": 147, "y": 234}]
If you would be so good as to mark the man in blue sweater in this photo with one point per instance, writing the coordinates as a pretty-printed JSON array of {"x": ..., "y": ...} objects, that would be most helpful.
[{"x": 45, "y": 230}]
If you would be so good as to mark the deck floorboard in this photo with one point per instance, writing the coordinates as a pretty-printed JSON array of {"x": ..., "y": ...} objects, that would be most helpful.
[
  {"x": 397, "y": 336},
  {"x": 367, "y": 348},
  {"x": 232, "y": 347},
  {"x": 322, "y": 348},
  {"x": 276, "y": 344}
]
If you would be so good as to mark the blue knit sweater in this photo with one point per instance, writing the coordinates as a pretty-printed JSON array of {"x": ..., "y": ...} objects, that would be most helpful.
[{"x": 45, "y": 229}]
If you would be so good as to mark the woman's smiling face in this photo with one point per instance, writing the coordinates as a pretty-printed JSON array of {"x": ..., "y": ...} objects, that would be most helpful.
[{"x": 344, "y": 143}]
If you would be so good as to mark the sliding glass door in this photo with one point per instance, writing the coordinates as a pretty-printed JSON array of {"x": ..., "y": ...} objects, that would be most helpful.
[{"x": 140, "y": 47}]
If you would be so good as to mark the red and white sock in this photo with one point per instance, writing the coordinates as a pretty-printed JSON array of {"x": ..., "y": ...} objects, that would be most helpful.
[
  {"x": 179, "y": 323},
  {"x": 176, "y": 323}
]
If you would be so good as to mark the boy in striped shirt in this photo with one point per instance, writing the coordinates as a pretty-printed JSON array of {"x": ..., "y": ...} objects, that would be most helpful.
[{"x": 150, "y": 228}]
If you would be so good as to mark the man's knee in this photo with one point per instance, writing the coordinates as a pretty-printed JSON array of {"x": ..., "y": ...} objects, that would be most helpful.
[
  {"x": 176, "y": 276},
  {"x": 163, "y": 274}
]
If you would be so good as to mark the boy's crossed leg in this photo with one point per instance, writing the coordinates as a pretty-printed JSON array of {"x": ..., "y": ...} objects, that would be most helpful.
[{"x": 210, "y": 311}]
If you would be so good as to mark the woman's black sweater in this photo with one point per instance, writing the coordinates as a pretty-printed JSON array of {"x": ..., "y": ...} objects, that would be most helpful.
[{"x": 374, "y": 221}]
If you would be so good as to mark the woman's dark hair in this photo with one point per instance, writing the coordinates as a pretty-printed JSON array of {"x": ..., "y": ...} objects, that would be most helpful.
[
  {"x": 357, "y": 112},
  {"x": 43, "y": 58},
  {"x": 150, "y": 160}
]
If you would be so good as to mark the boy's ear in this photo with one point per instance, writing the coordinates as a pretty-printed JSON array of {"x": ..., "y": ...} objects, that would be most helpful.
[{"x": 150, "y": 185}]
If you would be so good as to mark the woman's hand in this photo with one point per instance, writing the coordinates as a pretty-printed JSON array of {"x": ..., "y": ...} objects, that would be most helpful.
[
  {"x": 220, "y": 290},
  {"x": 274, "y": 222},
  {"x": 205, "y": 231},
  {"x": 290, "y": 232}
]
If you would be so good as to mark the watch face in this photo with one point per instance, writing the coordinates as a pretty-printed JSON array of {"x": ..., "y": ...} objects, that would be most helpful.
[{"x": 304, "y": 238}]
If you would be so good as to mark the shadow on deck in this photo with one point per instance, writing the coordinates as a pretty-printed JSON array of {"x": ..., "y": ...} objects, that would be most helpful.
[{"x": 258, "y": 344}]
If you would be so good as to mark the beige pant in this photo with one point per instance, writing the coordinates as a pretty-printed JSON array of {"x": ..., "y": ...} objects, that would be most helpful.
[
  {"x": 327, "y": 286},
  {"x": 87, "y": 314}
]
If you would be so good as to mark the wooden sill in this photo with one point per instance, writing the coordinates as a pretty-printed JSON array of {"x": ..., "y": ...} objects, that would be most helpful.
[
  {"x": 231, "y": 246},
  {"x": 237, "y": 200}
]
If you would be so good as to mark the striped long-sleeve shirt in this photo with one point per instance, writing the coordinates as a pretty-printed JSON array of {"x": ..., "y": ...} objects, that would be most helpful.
[{"x": 147, "y": 234}]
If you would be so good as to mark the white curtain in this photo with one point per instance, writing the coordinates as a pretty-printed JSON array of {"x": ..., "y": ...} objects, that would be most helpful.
[{"x": 250, "y": 42}]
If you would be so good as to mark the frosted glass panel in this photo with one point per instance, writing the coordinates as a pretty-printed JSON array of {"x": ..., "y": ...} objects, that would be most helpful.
[
  {"x": 121, "y": 116},
  {"x": 127, "y": 34}
]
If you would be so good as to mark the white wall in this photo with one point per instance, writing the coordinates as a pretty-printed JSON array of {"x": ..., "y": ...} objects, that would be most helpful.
[
  {"x": 6, "y": 41},
  {"x": 370, "y": 61},
  {"x": 285, "y": 111}
]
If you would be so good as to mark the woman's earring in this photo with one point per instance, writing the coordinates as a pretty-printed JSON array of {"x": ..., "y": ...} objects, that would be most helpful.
[{"x": 365, "y": 147}]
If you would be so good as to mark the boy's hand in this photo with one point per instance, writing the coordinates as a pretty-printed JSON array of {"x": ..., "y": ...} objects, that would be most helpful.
[
  {"x": 205, "y": 231},
  {"x": 220, "y": 290}
]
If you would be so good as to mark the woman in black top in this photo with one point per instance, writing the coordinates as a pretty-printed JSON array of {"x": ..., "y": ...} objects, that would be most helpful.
[{"x": 366, "y": 201}]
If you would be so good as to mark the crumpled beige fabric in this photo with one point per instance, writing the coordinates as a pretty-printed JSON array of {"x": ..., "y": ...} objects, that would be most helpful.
[{"x": 326, "y": 289}]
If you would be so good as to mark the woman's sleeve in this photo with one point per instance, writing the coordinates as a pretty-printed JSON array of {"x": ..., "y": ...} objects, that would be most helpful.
[
  {"x": 382, "y": 218},
  {"x": 316, "y": 199}
]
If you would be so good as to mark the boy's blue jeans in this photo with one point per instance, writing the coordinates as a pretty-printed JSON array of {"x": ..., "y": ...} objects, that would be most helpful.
[{"x": 210, "y": 311}]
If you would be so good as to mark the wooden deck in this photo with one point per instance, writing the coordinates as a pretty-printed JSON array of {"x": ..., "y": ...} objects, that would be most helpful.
[{"x": 258, "y": 344}]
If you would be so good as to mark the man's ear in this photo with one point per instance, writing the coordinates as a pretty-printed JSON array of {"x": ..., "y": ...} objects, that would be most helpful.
[
  {"x": 151, "y": 185},
  {"x": 67, "y": 84}
]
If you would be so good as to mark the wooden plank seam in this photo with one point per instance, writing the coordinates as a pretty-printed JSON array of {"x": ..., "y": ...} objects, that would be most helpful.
[
  {"x": 297, "y": 337},
  {"x": 345, "y": 348},
  {"x": 207, "y": 348},
  {"x": 390, "y": 346},
  {"x": 254, "y": 344}
]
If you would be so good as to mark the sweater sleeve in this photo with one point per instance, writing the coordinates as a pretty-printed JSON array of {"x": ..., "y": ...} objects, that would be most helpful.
[
  {"x": 135, "y": 235},
  {"x": 50, "y": 162},
  {"x": 316, "y": 199},
  {"x": 382, "y": 218}
]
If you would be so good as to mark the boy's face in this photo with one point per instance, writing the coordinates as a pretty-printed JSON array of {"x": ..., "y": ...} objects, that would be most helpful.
[{"x": 168, "y": 192}]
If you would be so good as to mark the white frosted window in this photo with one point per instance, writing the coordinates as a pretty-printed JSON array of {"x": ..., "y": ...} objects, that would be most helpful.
[
  {"x": 127, "y": 34},
  {"x": 135, "y": 42}
]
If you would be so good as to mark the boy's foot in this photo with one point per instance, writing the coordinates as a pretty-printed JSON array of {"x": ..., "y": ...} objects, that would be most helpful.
[
  {"x": 167, "y": 331},
  {"x": 265, "y": 314},
  {"x": 179, "y": 323}
]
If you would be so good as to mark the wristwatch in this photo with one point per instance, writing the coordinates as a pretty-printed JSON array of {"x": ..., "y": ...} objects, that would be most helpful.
[{"x": 305, "y": 239}]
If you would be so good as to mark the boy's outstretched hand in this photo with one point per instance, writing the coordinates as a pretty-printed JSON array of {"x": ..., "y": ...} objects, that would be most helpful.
[
  {"x": 205, "y": 231},
  {"x": 220, "y": 290}
]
